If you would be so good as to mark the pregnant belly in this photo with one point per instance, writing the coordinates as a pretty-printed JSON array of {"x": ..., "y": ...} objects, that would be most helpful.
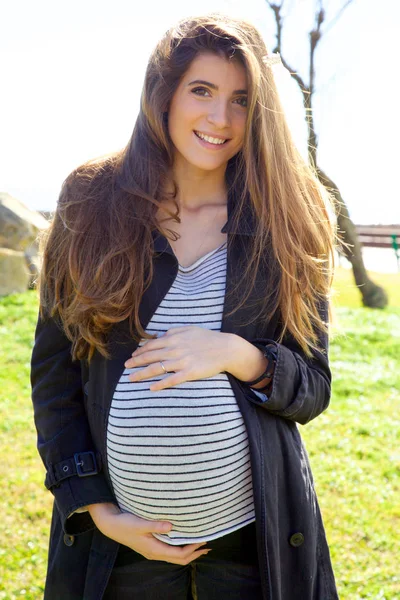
[{"x": 181, "y": 455}]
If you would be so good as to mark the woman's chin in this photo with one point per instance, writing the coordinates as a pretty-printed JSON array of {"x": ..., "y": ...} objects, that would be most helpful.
[{"x": 204, "y": 164}]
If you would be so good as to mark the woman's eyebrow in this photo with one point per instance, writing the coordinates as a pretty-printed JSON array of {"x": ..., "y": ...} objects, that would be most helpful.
[{"x": 213, "y": 86}]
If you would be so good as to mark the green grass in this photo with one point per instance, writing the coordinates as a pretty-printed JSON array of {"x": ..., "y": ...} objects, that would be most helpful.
[
  {"x": 347, "y": 294},
  {"x": 353, "y": 447}
]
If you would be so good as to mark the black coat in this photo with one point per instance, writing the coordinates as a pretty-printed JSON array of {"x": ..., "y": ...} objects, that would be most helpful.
[{"x": 71, "y": 405}]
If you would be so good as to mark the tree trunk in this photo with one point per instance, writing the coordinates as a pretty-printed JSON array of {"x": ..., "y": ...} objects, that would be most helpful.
[{"x": 373, "y": 295}]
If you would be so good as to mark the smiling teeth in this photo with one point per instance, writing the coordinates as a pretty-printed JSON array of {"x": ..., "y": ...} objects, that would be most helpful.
[{"x": 210, "y": 139}]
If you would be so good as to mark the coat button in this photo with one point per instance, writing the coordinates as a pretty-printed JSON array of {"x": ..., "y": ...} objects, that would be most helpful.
[
  {"x": 68, "y": 539},
  {"x": 297, "y": 539}
]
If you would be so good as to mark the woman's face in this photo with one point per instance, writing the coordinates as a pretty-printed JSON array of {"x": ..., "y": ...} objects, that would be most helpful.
[{"x": 210, "y": 101}]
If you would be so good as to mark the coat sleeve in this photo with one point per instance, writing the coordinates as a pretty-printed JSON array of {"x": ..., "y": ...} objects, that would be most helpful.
[
  {"x": 73, "y": 467},
  {"x": 301, "y": 386}
]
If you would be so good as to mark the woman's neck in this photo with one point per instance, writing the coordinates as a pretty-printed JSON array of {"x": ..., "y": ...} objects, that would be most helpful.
[{"x": 197, "y": 188}]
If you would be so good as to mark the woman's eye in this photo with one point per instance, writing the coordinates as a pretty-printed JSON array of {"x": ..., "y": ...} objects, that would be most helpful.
[
  {"x": 243, "y": 101},
  {"x": 199, "y": 90}
]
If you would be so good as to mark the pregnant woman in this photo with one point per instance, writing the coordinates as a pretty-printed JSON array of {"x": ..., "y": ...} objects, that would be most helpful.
[{"x": 182, "y": 335}]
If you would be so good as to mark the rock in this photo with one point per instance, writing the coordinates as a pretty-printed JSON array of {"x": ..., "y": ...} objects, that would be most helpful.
[
  {"x": 19, "y": 229},
  {"x": 14, "y": 272},
  {"x": 19, "y": 225},
  {"x": 33, "y": 262}
]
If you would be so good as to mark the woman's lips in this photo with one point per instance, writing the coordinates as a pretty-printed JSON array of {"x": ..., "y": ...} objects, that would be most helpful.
[{"x": 209, "y": 145}]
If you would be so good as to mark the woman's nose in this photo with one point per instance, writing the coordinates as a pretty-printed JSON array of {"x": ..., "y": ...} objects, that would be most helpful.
[{"x": 219, "y": 114}]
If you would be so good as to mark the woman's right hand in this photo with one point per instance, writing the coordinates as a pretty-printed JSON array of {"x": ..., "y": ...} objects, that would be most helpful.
[{"x": 137, "y": 533}]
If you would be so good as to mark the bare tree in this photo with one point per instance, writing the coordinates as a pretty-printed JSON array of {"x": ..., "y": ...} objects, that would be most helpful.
[{"x": 373, "y": 295}]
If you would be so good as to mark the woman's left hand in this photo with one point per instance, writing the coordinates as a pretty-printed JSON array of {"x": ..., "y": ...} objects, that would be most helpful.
[{"x": 190, "y": 352}]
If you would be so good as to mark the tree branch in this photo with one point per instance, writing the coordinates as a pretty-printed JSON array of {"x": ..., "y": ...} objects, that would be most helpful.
[
  {"x": 339, "y": 14},
  {"x": 305, "y": 89},
  {"x": 315, "y": 36},
  {"x": 300, "y": 81},
  {"x": 276, "y": 9}
]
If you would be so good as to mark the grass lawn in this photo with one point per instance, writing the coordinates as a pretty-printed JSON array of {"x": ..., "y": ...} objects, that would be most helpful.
[{"x": 354, "y": 449}]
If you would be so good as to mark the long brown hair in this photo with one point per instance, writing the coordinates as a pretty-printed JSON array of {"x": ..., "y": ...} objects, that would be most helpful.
[{"x": 97, "y": 253}]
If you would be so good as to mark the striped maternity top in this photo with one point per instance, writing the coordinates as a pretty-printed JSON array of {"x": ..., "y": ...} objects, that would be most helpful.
[{"x": 181, "y": 454}]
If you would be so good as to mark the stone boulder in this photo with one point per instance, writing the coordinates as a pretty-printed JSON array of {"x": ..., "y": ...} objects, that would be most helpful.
[
  {"x": 14, "y": 272},
  {"x": 19, "y": 259}
]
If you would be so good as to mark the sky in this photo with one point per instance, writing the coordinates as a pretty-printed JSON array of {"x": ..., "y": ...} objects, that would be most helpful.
[{"x": 71, "y": 74}]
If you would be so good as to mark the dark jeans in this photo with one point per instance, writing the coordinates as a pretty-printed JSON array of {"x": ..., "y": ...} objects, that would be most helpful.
[{"x": 228, "y": 572}]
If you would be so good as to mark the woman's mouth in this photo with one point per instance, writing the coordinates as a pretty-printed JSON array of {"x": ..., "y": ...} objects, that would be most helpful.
[{"x": 210, "y": 142}]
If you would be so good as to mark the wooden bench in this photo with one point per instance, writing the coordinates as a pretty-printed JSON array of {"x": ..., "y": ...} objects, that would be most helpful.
[{"x": 379, "y": 236}]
